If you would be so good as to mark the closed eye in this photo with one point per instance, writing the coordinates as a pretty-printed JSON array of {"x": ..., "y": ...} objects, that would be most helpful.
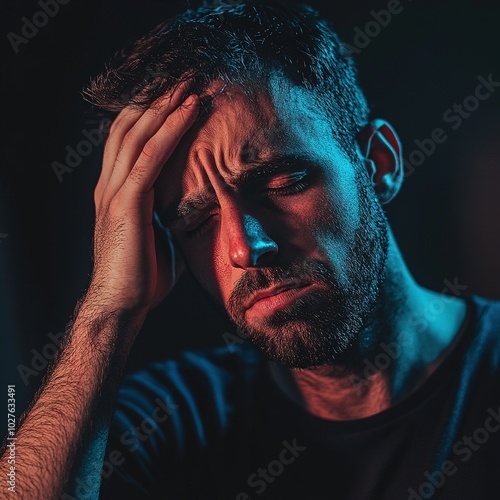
[
  {"x": 280, "y": 185},
  {"x": 287, "y": 185},
  {"x": 201, "y": 226}
]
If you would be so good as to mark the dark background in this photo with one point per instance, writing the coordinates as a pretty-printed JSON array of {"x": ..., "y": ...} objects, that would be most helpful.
[{"x": 427, "y": 58}]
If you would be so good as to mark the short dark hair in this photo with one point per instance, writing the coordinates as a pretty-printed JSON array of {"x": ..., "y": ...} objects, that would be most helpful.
[{"x": 239, "y": 43}]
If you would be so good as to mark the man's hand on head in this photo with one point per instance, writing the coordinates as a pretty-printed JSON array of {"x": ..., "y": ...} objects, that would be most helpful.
[
  {"x": 127, "y": 280},
  {"x": 130, "y": 273}
]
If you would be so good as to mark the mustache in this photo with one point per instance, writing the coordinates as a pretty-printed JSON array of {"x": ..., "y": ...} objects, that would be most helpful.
[{"x": 303, "y": 272}]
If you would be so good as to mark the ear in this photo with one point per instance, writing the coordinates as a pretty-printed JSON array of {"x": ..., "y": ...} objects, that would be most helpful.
[{"x": 382, "y": 152}]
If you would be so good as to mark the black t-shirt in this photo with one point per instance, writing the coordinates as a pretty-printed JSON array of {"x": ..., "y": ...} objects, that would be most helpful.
[{"x": 213, "y": 425}]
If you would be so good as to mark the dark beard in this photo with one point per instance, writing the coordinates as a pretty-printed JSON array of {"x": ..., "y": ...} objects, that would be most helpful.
[{"x": 324, "y": 326}]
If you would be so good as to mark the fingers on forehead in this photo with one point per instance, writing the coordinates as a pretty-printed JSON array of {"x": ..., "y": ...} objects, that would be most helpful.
[{"x": 130, "y": 115}]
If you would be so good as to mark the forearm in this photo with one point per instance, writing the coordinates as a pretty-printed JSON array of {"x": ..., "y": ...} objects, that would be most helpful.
[
  {"x": 63, "y": 435},
  {"x": 61, "y": 442}
]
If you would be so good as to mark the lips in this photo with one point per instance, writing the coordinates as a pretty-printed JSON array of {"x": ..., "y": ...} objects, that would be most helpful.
[{"x": 264, "y": 296}]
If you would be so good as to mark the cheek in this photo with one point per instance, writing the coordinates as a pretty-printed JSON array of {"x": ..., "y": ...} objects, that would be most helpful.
[
  {"x": 339, "y": 202},
  {"x": 336, "y": 221},
  {"x": 325, "y": 219},
  {"x": 333, "y": 218}
]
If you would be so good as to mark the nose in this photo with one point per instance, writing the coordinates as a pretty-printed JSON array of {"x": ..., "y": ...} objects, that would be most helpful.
[{"x": 248, "y": 243}]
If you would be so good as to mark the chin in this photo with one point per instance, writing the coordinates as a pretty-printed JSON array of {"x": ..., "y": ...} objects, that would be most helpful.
[{"x": 298, "y": 344}]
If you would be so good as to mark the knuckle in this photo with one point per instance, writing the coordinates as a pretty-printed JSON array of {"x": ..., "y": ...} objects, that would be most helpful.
[
  {"x": 138, "y": 172},
  {"x": 156, "y": 108},
  {"x": 129, "y": 138},
  {"x": 178, "y": 121},
  {"x": 115, "y": 205},
  {"x": 121, "y": 121},
  {"x": 150, "y": 150}
]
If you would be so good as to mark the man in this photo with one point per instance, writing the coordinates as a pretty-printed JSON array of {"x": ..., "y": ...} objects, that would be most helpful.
[{"x": 243, "y": 150}]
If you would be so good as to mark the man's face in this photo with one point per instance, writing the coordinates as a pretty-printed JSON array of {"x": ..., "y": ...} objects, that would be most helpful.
[{"x": 278, "y": 225}]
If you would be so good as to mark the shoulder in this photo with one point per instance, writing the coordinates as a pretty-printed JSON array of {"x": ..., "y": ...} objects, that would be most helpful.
[
  {"x": 194, "y": 386},
  {"x": 220, "y": 365},
  {"x": 174, "y": 409},
  {"x": 487, "y": 308},
  {"x": 484, "y": 346},
  {"x": 486, "y": 317}
]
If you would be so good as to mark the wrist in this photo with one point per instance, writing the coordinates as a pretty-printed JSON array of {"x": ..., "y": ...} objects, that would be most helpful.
[{"x": 105, "y": 322}]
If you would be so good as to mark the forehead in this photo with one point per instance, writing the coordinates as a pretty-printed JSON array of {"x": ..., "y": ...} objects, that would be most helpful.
[
  {"x": 240, "y": 128},
  {"x": 254, "y": 124},
  {"x": 243, "y": 129}
]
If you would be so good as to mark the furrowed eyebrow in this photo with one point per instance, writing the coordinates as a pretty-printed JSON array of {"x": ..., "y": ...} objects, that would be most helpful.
[
  {"x": 273, "y": 166},
  {"x": 187, "y": 206},
  {"x": 257, "y": 170}
]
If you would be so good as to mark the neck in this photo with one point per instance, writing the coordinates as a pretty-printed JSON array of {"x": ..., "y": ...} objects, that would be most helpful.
[{"x": 423, "y": 328}]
